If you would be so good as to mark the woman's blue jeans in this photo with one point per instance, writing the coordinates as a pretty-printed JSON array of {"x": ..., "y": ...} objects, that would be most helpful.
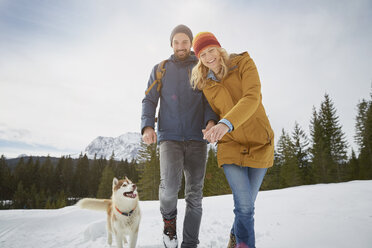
[{"x": 245, "y": 183}]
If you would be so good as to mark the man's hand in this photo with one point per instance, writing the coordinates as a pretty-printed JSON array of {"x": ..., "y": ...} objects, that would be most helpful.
[
  {"x": 216, "y": 132},
  {"x": 149, "y": 135},
  {"x": 210, "y": 124}
]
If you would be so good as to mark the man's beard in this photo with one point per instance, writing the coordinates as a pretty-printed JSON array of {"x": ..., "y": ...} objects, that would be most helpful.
[{"x": 184, "y": 56}]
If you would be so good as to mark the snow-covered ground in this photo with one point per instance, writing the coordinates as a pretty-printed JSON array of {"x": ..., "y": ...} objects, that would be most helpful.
[{"x": 323, "y": 215}]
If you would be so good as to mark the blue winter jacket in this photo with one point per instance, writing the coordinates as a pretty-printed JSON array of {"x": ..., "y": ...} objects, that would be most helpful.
[{"x": 183, "y": 112}]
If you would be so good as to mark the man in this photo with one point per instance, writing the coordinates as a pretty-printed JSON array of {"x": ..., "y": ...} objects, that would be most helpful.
[{"x": 183, "y": 114}]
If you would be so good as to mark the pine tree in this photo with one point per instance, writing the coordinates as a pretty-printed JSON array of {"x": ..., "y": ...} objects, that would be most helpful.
[
  {"x": 95, "y": 175},
  {"x": 133, "y": 170},
  {"x": 33, "y": 197},
  {"x": 20, "y": 171},
  {"x": 334, "y": 135},
  {"x": 58, "y": 174},
  {"x": 148, "y": 185},
  {"x": 318, "y": 151},
  {"x": 209, "y": 184},
  {"x": 112, "y": 163},
  {"x": 41, "y": 199},
  {"x": 46, "y": 173},
  {"x": 215, "y": 182},
  {"x": 361, "y": 123},
  {"x": 272, "y": 178},
  {"x": 68, "y": 176},
  {"x": 31, "y": 172},
  {"x": 300, "y": 145},
  {"x": 301, "y": 153},
  {"x": 105, "y": 186},
  {"x": 6, "y": 180},
  {"x": 122, "y": 169},
  {"x": 289, "y": 171},
  {"x": 368, "y": 150},
  {"x": 3, "y": 168},
  {"x": 81, "y": 177},
  {"x": 329, "y": 143},
  {"x": 61, "y": 200},
  {"x": 48, "y": 204},
  {"x": 354, "y": 171},
  {"x": 20, "y": 197},
  {"x": 50, "y": 200},
  {"x": 364, "y": 138},
  {"x": 38, "y": 177}
]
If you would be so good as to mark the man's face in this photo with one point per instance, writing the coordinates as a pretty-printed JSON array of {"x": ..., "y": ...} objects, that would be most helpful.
[{"x": 181, "y": 46}]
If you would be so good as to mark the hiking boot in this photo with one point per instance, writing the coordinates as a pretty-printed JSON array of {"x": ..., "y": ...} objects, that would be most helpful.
[
  {"x": 232, "y": 241},
  {"x": 170, "y": 233}
]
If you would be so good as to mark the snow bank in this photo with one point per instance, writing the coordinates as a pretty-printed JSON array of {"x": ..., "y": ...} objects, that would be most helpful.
[{"x": 323, "y": 215}]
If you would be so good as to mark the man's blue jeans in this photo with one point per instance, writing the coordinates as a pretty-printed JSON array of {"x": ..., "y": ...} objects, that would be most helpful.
[{"x": 244, "y": 183}]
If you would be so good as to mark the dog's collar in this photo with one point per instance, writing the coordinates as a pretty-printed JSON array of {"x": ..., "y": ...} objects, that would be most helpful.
[{"x": 126, "y": 214}]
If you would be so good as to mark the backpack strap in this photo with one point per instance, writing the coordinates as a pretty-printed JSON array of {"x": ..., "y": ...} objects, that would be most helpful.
[{"x": 160, "y": 71}]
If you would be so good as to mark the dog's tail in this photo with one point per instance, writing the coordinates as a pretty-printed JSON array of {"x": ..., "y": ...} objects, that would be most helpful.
[{"x": 94, "y": 204}]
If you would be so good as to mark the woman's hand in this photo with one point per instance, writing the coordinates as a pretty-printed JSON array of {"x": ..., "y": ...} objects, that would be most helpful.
[
  {"x": 210, "y": 124},
  {"x": 216, "y": 133}
]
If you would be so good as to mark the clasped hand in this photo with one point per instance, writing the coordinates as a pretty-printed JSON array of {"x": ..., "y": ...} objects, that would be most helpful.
[{"x": 214, "y": 133}]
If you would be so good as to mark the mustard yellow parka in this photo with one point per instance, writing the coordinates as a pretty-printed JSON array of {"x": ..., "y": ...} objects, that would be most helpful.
[{"x": 238, "y": 99}]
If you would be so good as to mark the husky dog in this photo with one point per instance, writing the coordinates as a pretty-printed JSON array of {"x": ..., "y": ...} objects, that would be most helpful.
[{"x": 123, "y": 212}]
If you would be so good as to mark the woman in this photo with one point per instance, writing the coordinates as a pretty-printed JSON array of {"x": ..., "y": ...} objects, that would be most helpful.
[{"x": 244, "y": 135}]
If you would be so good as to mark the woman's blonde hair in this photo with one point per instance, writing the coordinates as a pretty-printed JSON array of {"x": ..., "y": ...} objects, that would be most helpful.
[{"x": 199, "y": 73}]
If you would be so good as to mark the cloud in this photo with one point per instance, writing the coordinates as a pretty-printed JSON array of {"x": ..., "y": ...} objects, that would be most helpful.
[
  {"x": 12, "y": 149},
  {"x": 14, "y": 142},
  {"x": 74, "y": 70}
]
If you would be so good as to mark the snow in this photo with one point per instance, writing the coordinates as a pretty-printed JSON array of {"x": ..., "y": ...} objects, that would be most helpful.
[
  {"x": 168, "y": 242},
  {"x": 323, "y": 215}
]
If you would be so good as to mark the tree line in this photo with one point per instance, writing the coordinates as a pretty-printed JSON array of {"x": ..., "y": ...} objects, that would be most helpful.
[
  {"x": 323, "y": 157},
  {"x": 215, "y": 182},
  {"x": 32, "y": 184},
  {"x": 299, "y": 160}
]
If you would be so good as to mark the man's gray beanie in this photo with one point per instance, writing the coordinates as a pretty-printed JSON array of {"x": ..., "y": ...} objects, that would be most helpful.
[{"x": 181, "y": 29}]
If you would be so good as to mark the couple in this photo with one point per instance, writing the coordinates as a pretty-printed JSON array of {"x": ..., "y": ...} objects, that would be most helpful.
[{"x": 207, "y": 95}]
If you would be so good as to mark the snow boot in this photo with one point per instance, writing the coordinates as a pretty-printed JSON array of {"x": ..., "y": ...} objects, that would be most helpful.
[
  {"x": 170, "y": 233},
  {"x": 232, "y": 241}
]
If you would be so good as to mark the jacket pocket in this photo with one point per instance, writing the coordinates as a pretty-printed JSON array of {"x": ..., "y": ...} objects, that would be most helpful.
[
  {"x": 269, "y": 132},
  {"x": 254, "y": 133}
]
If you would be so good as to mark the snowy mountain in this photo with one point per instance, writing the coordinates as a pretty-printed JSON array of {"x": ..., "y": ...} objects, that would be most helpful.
[
  {"x": 125, "y": 146},
  {"x": 322, "y": 216}
]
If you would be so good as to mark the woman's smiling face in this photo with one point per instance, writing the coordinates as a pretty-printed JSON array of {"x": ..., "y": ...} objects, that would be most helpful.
[{"x": 211, "y": 58}]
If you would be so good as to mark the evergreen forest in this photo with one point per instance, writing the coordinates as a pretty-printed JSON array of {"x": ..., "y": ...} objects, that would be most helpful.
[{"x": 323, "y": 156}]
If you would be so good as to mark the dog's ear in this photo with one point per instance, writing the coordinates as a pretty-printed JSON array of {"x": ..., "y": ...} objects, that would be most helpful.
[
  {"x": 126, "y": 178},
  {"x": 115, "y": 182}
]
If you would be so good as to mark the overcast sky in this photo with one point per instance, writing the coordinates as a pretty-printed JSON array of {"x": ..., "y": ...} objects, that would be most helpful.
[{"x": 74, "y": 70}]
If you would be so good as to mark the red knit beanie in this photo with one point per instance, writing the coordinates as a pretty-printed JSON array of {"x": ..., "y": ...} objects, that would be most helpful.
[{"x": 203, "y": 40}]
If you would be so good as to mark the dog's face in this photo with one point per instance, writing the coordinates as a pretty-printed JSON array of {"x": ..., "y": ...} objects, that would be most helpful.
[{"x": 124, "y": 188}]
